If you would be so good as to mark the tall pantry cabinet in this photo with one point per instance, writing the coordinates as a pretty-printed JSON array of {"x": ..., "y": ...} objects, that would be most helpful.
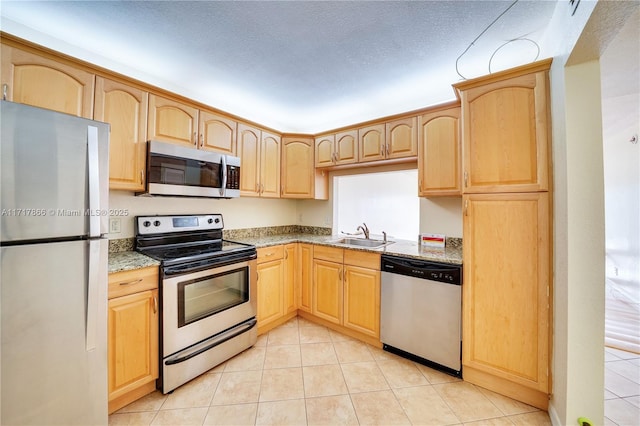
[{"x": 507, "y": 232}]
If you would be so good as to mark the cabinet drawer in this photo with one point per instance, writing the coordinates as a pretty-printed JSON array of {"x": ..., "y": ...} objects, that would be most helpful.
[
  {"x": 362, "y": 258},
  {"x": 332, "y": 254},
  {"x": 134, "y": 281},
  {"x": 267, "y": 254}
]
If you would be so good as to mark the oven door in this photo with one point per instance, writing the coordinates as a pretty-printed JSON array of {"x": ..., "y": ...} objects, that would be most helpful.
[{"x": 198, "y": 305}]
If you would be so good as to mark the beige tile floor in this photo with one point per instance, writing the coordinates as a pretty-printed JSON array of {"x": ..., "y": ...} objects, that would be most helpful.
[
  {"x": 304, "y": 374},
  {"x": 621, "y": 388}
]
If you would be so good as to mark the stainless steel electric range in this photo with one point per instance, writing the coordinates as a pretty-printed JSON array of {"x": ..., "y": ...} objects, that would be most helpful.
[{"x": 207, "y": 292}]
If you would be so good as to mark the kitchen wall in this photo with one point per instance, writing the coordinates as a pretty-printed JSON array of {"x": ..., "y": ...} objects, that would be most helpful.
[
  {"x": 238, "y": 213},
  {"x": 576, "y": 41}
]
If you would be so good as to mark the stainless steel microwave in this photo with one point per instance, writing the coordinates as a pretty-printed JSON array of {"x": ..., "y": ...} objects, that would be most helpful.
[{"x": 175, "y": 170}]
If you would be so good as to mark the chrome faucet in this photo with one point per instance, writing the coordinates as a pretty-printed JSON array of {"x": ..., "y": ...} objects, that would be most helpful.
[{"x": 365, "y": 230}]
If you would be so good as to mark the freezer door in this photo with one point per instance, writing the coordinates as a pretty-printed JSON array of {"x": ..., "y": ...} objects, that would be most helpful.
[
  {"x": 54, "y": 333},
  {"x": 55, "y": 174}
]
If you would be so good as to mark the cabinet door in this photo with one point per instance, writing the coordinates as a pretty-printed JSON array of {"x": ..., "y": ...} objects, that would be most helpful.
[
  {"x": 125, "y": 109},
  {"x": 439, "y": 154},
  {"x": 305, "y": 277},
  {"x": 346, "y": 147},
  {"x": 217, "y": 133},
  {"x": 270, "y": 165},
  {"x": 402, "y": 138},
  {"x": 298, "y": 174},
  {"x": 290, "y": 277},
  {"x": 249, "y": 153},
  {"x": 132, "y": 342},
  {"x": 325, "y": 154},
  {"x": 372, "y": 143},
  {"x": 171, "y": 121},
  {"x": 327, "y": 294},
  {"x": 270, "y": 296},
  {"x": 505, "y": 135},
  {"x": 506, "y": 294},
  {"x": 362, "y": 300},
  {"x": 38, "y": 81}
]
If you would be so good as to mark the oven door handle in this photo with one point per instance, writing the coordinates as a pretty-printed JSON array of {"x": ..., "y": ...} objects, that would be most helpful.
[{"x": 211, "y": 343}]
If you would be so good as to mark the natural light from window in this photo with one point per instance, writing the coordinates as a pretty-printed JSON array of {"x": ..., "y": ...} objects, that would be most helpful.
[{"x": 385, "y": 201}]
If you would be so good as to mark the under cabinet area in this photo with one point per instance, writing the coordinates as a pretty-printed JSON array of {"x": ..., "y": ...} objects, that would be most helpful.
[{"x": 133, "y": 321}]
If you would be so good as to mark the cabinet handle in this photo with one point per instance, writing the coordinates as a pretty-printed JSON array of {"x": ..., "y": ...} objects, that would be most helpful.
[
  {"x": 5, "y": 88},
  {"x": 155, "y": 304},
  {"x": 195, "y": 139},
  {"x": 141, "y": 177},
  {"x": 340, "y": 274},
  {"x": 387, "y": 148},
  {"x": 382, "y": 150},
  {"x": 466, "y": 207},
  {"x": 286, "y": 255},
  {"x": 131, "y": 282},
  {"x": 201, "y": 140},
  {"x": 419, "y": 186},
  {"x": 466, "y": 178}
]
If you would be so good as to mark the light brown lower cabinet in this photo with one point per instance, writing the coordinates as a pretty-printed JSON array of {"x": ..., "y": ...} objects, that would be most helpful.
[
  {"x": 506, "y": 303},
  {"x": 347, "y": 289},
  {"x": 276, "y": 293},
  {"x": 132, "y": 335}
]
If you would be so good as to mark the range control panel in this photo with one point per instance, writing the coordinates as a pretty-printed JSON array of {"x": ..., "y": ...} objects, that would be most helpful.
[{"x": 166, "y": 224}]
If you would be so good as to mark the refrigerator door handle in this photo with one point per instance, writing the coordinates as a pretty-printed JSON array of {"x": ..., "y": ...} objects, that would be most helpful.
[
  {"x": 93, "y": 294},
  {"x": 94, "y": 181}
]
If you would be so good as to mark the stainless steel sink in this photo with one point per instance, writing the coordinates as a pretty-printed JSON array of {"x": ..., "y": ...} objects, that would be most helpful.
[{"x": 362, "y": 242}]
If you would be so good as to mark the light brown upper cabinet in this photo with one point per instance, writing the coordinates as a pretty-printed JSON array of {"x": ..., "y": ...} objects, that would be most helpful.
[
  {"x": 439, "y": 153},
  {"x": 372, "y": 143},
  {"x": 505, "y": 130},
  {"x": 402, "y": 138},
  {"x": 172, "y": 121},
  {"x": 259, "y": 153},
  {"x": 125, "y": 109},
  {"x": 299, "y": 179},
  {"x": 394, "y": 139},
  {"x": 337, "y": 149},
  {"x": 36, "y": 80},
  {"x": 217, "y": 132}
]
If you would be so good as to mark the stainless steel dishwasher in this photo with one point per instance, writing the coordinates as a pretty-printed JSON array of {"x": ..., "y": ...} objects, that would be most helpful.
[{"x": 420, "y": 316}]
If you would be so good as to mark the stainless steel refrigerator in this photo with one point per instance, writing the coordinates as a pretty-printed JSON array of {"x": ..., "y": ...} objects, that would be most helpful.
[{"x": 53, "y": 281}]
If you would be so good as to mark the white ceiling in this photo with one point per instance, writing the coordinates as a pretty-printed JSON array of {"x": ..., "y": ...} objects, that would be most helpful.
[{"x": 296, "y": 66}]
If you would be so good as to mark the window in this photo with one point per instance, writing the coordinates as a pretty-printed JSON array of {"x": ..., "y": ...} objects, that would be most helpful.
[{"x": 385, "y": 201}]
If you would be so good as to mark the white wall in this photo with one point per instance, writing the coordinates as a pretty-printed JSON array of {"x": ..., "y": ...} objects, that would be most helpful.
[
  {"x": 620, "y": 69},
  {"x": 237, "y": 212},
  {"x": 576, "y": 42}
]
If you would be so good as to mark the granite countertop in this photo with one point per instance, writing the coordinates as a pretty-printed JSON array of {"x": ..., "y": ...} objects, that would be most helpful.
[
  {"x": 452, "y": 253},
  {"x": 129, "y": 260}
]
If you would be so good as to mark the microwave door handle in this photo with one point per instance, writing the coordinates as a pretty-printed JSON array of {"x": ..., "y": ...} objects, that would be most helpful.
[{"x": 223, "y": 185}]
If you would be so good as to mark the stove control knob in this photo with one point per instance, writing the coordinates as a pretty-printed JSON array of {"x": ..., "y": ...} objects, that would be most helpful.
[
  {"x": 217, "y": 220},
  {"x": 146, "y": 224},
  {"x": 156, "y": 223},
  {"x": 209, "y": 220}
]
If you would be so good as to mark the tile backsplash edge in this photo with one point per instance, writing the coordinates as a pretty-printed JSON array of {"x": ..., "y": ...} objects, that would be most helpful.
[{"x": 127, "y": 244}]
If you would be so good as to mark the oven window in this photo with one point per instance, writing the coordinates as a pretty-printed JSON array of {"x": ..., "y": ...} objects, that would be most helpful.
[
  {"x": 207, "y": 296},
  {"x": 182, "y": 171}
]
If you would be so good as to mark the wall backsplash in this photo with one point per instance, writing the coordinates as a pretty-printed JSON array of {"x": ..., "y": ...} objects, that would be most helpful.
[{"x": 238, "y": 213}]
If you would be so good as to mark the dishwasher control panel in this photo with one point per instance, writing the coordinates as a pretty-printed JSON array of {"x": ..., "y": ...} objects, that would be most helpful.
[{"x": 434, "y": 271}]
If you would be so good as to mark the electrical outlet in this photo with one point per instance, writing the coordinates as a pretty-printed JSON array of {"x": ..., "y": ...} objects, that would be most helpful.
[
  {"x": 114, "y": 225},
  {"x": 615, "y": 271}
]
